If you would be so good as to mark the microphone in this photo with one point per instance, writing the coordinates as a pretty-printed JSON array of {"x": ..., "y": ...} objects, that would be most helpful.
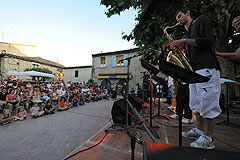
[{"x": 120, "y": 61}]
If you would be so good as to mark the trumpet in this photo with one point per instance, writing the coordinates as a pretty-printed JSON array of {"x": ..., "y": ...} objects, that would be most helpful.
[{"x": 176, "y": 56}]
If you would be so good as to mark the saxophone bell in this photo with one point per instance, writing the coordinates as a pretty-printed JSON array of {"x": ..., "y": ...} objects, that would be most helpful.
[{"x": 176, "y": 56}]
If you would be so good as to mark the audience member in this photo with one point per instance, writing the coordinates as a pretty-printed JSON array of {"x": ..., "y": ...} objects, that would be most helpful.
[
  {"x": 35, "y": 111},
  {"x": 12, "y": 100},
  {"x": 61, "y": 105},
  {"x": 21, "y": 114},
  {"x": 48, "y": 109},
  {"x": 6, "y": 117},
  {"x": 68, "y": 103}
]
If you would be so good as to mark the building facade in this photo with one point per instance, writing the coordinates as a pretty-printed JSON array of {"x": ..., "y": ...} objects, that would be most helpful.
[
  {"x": 18, "y": 49},
  {"x": 10, "y": 62},
  {"x": 77, "y": 74},
  {"x": 108, "y": 68}
]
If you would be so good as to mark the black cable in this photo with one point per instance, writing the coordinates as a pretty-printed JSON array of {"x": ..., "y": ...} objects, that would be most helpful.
[
  {"x": 139, "y": 133},
  {"x": 87, "y": 148},
  {"x": 138, "y": 139}
]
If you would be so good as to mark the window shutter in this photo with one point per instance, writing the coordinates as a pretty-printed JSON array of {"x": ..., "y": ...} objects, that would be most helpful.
[
  {"x": 106, "y": 61},
  {"x": 125, "y": 61},
  {"x": 98, "y": 62},
  {"x": 113, "y": 61}
]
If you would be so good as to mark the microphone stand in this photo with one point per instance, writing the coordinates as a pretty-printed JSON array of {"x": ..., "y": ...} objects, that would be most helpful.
[{"x": 126, "y": 128}]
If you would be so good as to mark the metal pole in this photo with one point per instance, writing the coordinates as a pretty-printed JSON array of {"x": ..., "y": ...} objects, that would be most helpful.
[{"x": 127, "y": 91}]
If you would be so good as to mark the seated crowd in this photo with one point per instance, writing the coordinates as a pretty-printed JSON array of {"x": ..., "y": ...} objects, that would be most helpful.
[{"x": 37, "y": 99}]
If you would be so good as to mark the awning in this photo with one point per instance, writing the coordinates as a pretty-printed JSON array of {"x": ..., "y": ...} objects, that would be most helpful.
[
  {"x": 114, "y": 77},
  {"x": 30, "y": 73}
]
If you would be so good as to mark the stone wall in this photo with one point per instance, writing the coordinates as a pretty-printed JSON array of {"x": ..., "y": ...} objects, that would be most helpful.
[
  {"x": 14, "y": 64},
  {"x": 18, "y": 49}
]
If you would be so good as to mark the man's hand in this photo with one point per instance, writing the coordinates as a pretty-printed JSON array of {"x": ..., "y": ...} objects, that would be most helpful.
[
  {"x": 236, "y": 23},
  {"x": 175, "y": 43}
]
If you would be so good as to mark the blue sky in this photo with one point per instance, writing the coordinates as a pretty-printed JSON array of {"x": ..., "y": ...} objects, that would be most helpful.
[{"x": 65, "y": 30}]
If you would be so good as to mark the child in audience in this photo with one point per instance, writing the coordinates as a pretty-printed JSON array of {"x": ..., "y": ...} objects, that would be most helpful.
[
  {"x": 81, "y": 100},
  {"x": 21, "y": 114},
  {"x": 35, "y": 111},
  {"x": 75, "y": 101},
  {"x": 48, "y": 109},
  {"x": 6, "y": 117},
  {"x": 61, "y": 105},
  {"x": 68, "y": 103},
  {"x": 87, "y": 97},
  {"x": 94, "y": 97}
]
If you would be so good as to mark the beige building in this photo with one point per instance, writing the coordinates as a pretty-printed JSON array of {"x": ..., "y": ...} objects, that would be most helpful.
[
  {"x": 19, "y": 57},
  {"x": 10, "y": 62},
  {"x": 107, "y": 68},
  {"x": 77, "y": 74},
  {"x": 18, "y": 49}
]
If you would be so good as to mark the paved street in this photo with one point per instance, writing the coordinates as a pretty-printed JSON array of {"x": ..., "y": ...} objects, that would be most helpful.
[{"x": 52, "y": 137}]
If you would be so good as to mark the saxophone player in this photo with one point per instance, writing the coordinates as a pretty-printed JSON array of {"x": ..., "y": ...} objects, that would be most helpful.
[{"x": 203, "y": 97}]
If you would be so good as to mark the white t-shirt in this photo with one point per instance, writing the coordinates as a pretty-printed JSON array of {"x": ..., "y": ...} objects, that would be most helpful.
[
  {"x": 49, "y": 85},
  {"x": 34, "y": 110},
  {"x": 68, "y": 85},
  {"x": 59, "y": 92},
  {"x": 170, "y": 81}
]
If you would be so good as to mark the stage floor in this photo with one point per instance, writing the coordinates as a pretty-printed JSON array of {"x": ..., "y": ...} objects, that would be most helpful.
[{"x": 117, "y": 144}]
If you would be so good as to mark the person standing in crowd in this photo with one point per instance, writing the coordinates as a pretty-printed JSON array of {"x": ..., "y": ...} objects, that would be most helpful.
[{"x": 204, "y": 97}]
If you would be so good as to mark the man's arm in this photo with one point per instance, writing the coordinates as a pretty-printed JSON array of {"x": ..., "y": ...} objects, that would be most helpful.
[
  {"x": 189, "y": 41},
  {"x": 233, "y": 56}
]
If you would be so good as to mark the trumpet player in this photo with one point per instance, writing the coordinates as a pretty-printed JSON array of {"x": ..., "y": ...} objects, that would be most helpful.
[{"x": 204, "y": 97}]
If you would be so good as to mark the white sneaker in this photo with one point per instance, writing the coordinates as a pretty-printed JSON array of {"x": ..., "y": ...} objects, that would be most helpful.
[
  {"x": 174, "y": 116},
  {"x": 192, "y": 134},
  {"x": 187, "y": 121},
  {"x": 203, "y": 142},
  {"x": 170, "y": 108}
]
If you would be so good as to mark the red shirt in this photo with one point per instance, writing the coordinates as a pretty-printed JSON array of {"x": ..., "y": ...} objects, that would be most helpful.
[{"x": 61, "y": 104}]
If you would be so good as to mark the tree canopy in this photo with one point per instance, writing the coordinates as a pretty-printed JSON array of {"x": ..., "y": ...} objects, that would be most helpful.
[{"x": 154, "y": 15}]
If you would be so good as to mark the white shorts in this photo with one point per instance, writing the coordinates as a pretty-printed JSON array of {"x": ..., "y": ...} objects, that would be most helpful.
[{"x": 204, "y": 97}]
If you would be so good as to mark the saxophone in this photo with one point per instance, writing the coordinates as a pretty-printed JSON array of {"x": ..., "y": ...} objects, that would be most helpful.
[{"x": 176, "y": 56}]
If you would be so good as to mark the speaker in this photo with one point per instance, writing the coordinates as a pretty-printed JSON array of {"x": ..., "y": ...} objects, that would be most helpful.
[{"x": 119, "y": 109}]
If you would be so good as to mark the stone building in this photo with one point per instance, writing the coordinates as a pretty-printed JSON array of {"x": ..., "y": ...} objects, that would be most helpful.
[
  {"x": 18, "y": 57},
  {"x": 77, "y": 74},
  {"x": 10, "y": 62},
  {"x": 18, "y": 49},
  {"x": 107, "y": 68}
]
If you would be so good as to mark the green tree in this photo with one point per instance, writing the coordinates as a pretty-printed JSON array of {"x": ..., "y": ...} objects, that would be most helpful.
[
  {"x": 153, "y": 15},
  {"x": 44, "y": 70}
]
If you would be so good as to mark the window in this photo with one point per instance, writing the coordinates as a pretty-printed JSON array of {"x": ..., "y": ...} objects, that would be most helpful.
[
  {"x": 118, "y": 60},
  {"x": 35, "y": 65},
  {"x": 102, "y": 62},
  {"x": 76, "y": 73}
]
